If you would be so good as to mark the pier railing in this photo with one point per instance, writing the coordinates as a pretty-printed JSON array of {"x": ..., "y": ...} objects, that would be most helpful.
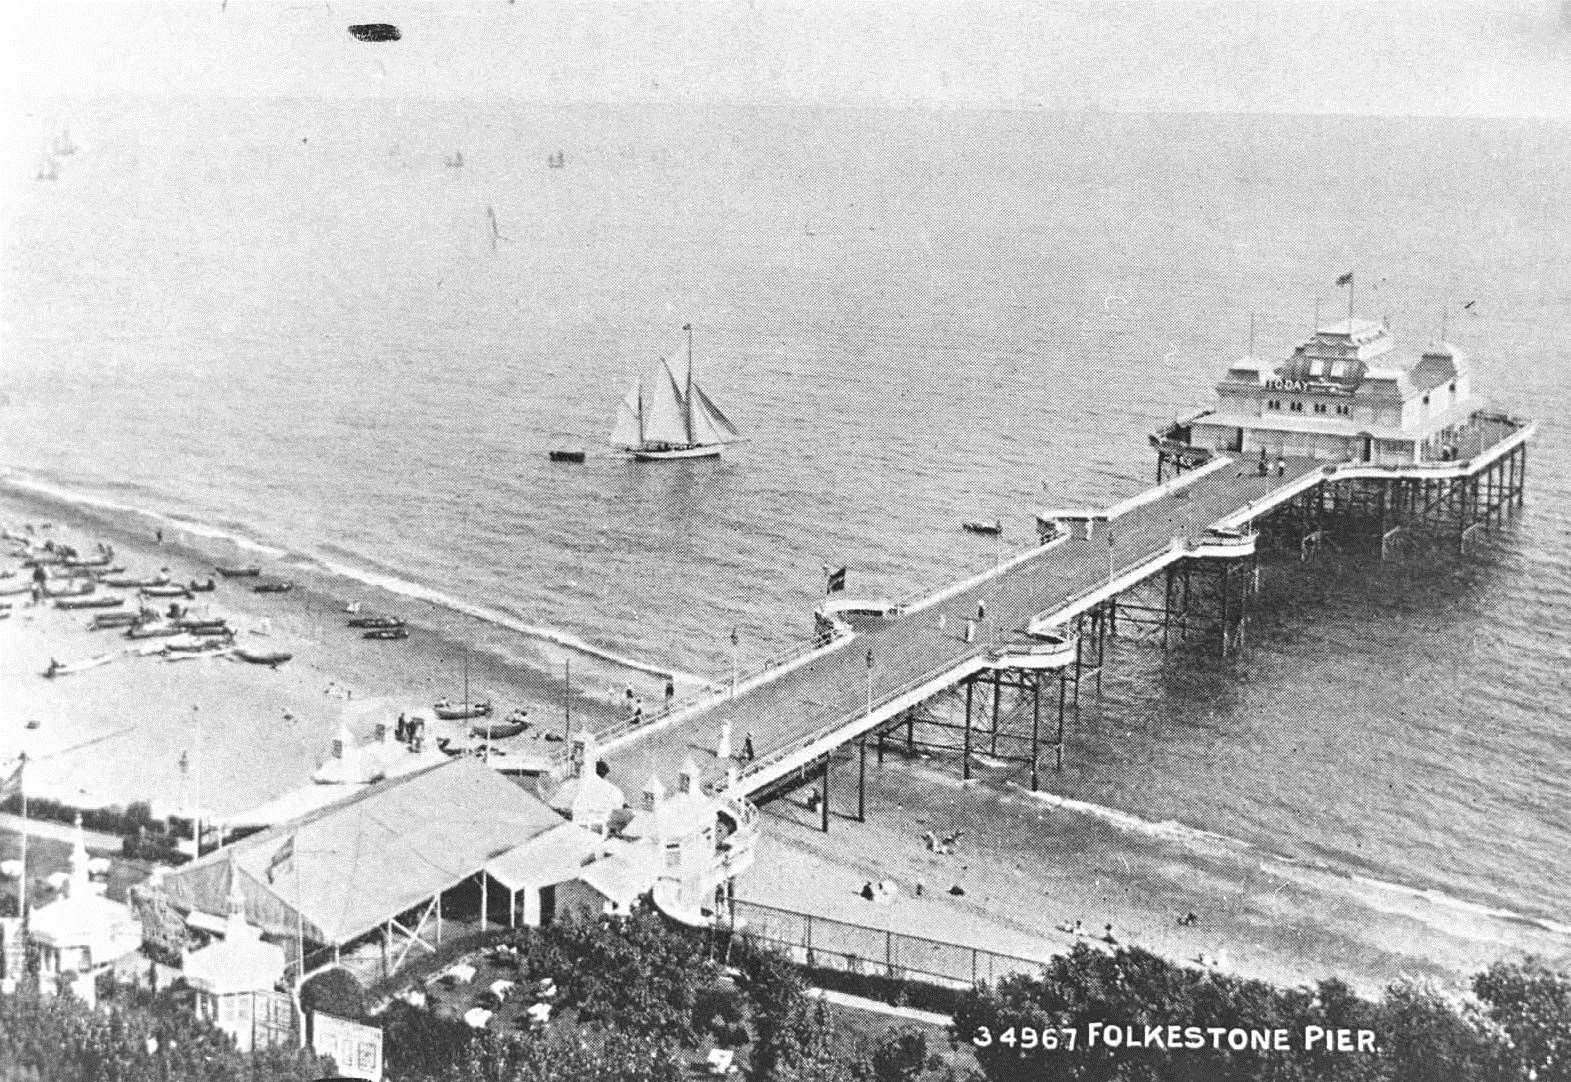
[
  {"x": 879, "y": 952},
  {"x": 706, "y": 695},
  {"x": 849, "y": 718}
]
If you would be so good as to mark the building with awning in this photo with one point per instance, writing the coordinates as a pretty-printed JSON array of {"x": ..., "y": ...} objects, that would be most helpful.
[{"x": 373, "y": 870}]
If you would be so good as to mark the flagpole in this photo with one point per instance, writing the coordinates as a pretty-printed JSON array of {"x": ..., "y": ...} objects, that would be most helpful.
[{"x": 21, "y": 899}]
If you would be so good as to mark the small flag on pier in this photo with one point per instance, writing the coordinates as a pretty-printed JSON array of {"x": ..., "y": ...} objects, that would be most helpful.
[
  {"x": 281, "y": 859},
  {"x": 1346, "y": 279},
  {"x": 837, "y": 581}
]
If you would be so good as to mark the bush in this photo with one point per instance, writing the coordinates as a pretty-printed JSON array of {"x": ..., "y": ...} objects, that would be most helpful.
[{"x": 336, "y": 992}]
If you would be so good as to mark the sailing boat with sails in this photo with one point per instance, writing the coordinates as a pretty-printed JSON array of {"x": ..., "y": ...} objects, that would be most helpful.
[
  {"x": 667, "y": 415},
  {"x": 63, "y": 145},
  {"x": 48, "y": 169}
]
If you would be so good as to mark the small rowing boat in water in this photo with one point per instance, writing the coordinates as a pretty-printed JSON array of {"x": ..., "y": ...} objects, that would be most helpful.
[
  {"x": 451, "y": 711},
  {"x": 567, "y": 456},
  {"x": 376, "y": 622},
  {"x": 273, "y": 587},
  {"x": 103, "y": 601},
  {"x": 387, "y": 633},
  {"x": 249, "y": 571},
  {"x": 993, "y": 526},
  {"x": 273, "y": 658}
]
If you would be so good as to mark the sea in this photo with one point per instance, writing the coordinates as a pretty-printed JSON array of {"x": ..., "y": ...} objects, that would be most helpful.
[{"x": 291, "y": 327}]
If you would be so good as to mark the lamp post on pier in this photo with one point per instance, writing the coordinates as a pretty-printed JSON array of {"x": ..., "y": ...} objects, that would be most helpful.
[{"x": 735, "y": 642}]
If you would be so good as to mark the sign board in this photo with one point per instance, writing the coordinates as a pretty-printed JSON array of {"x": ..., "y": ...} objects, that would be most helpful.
[{"x": 356, "y": 1049}]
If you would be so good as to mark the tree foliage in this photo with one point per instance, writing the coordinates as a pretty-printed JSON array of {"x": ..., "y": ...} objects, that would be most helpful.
[
  {"x": 46, "y": 1038},
  {"x": 1520, "y": 1029}
]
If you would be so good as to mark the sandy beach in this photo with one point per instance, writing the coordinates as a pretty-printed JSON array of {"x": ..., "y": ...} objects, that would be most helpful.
[
  {"x": 1028, "y": 869},
  {"x": 117, "y": 732}
]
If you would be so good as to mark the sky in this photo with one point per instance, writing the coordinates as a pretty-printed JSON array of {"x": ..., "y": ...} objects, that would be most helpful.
[{"x": 1496, "y": 59}]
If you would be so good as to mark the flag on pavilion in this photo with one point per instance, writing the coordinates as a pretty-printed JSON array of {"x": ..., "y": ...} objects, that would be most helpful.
[{"x": 284, "y": 858}]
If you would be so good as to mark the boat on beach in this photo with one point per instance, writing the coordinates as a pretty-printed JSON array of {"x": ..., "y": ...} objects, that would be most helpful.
[
  {"x": 124, "y": 583},
  {"x": 152, "y": 629},
  {"x": 102, "y": 601},
  {"x": 448, "y": 710},
  {"x": 273, "y": 587},
  {"x": 72, "y": 589},
  {"x": 249, "y": 571},
  {"x": 386, "y": 633},
  {"x": 666, "y": 415},
  {"x": 512, "y": 725},
  {"x": 382, "y": 622},
  {"x": 169, "y": 590},
  {"x": 273, "y": 658},
  {"x": 104, "y": 620}
]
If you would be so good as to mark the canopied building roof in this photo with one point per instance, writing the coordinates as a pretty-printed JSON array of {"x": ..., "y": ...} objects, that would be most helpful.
[{"x": 345, "y": 869}]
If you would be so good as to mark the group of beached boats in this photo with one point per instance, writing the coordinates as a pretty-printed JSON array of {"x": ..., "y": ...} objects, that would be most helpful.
[{"x": 74, "y": 582}]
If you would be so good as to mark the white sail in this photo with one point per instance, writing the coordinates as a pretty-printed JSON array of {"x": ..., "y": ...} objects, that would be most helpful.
[
  {"x": 665, "y": 414},
  {"x": 628, "y": 431},
  {"x": 717, "y": 428}
]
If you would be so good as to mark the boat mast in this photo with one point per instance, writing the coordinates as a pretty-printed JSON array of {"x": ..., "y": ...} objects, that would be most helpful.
[{"x": 688, "y": 397}]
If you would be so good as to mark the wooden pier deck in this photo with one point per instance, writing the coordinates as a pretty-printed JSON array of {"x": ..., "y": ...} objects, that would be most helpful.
[{"x": 805, "y": 710}]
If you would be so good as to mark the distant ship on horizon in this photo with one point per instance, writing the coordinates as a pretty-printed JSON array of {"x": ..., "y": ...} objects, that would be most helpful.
[
  {"x": 455, "y": 160},
  {"x": 557, "y": 160},
  {"x": 667, "y": 415},
  {"x": 48, "y": 168}
]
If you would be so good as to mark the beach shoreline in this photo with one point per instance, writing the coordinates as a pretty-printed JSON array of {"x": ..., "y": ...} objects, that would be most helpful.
[{"x": 119, "y": 733}]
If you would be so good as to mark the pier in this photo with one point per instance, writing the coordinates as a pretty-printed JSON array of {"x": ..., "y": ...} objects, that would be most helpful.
[{"x": 1021, "y": 643}]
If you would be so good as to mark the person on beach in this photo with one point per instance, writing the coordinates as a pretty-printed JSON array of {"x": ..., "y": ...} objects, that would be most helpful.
[
  {"x": 1281, "y": 467},
  {"x": 638, "y": 711},
  {"x": 981, "y": 611},
  {"x": 670, "y": 692},
  {"x": 970, "y": 631},
  {"x": 159, "y": 536},
  {"x": 747, "y": 747},
  {"x": 1264, "y": 466}
]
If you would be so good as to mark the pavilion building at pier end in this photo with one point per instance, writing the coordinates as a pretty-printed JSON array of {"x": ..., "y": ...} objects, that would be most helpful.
[{"x": 1346, "y": 395}]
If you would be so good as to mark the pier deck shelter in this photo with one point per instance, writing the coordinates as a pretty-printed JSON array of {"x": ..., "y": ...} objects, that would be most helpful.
[{"x": 1346, "y": 395}]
